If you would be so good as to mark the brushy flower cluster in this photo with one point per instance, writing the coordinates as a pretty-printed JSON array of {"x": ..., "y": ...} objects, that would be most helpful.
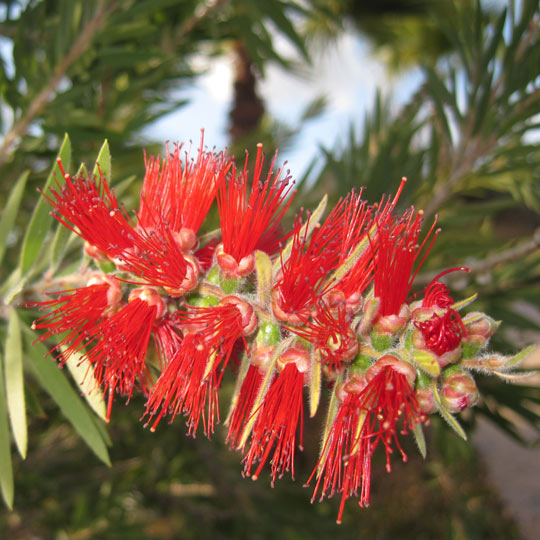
[{"x": 167, "y": 311}]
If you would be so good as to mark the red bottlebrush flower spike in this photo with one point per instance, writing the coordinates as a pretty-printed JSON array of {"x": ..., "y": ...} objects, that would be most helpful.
[
  {"x": 278, "y": 417},
  {"x": 89, "y": 208},
  {"x": 367, "y": 416},
  {"x": 345, "y": 463},
  {"x": 303, "y": 278},
  {"x": 180, "y": 388},
  {"x": 160, "y": 261},
  {"x": 189, "y": 381},
  {"x": 77, "y": 312},
  {"x": 367, "y": 220},
  {"x": 167, "y": 340},
  {"x": 121, "y": 340},
  {"x": 397, "y": 251},
  {"x": 246, "y": 219},
  {"x": 179, "y": 193},
  {"x": 258, "y": 358},
  {"x": 330, "y": 331}
]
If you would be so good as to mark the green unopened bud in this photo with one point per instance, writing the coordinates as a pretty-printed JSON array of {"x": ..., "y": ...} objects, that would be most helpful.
[
  {"x": 459, "y": 390},
  {"x": 480, "y": 327}
]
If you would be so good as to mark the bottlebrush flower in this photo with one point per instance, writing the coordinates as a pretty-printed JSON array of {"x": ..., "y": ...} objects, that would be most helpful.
[
  {"x": 278, "y": 417},
  {"x": 120, "y": 342},
  {"x": 161, "y": 262},
  {"x": 77, "y": 312},
  {"x": 242, "y": 407},
  {"x": 304, "y": 276},
  {"x": 330, "y": 331},
  {"x": 369, "y": 413},
  {"x": 190, "y": 381},
  {"x": 178, "y": 193},
  {"x": 248, "y": 220},
  {"x": 439, "y": 331},
  {"x": 89, "y": 208},
  {"x": 397, "y": 252},
  {"x": 299, "y": 321}
]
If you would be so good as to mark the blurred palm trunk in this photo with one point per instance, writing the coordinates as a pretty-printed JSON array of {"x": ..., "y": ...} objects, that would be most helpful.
[{"x": 248, "y": 108}]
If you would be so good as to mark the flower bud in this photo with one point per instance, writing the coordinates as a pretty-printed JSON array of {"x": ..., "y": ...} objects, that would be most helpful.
[
  {"x": 459, "y": 390},
  {"x": 479, "y": 328},
  {"x": 426, "y": 400}
]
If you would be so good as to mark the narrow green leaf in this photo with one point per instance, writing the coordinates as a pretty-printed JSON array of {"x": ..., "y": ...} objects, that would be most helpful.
[
  {"x": 518, "y": 358},
  {"x": 464, "y": 303},
  {"x": 315, "y": 382},
  {"x": 263, "y": 267},
  {"x": 333, "y": 408},
  {"x": 6, "y": 470},
  {"x": 82, "y": 170},
  {"x": 103, "y": 162},
  {"x": 242, "y": 372},
  {"x": 57, "y": 386},
  {"x": 305, "y": 231},
  {"x": 13, "y": 372},
  {"x": 450, "y": 420},
  {"x": 263, "y": 389},
  {"x": 40, "y": 220},
  {"x": 10, "y": 211},
  {"x": 122, "y": 187},
  {"x": 83, "y": 375},
  {"x": 418, "y": 433},
  {"x": 351, "y": 260},
  {"x": 61, "y": 241}
]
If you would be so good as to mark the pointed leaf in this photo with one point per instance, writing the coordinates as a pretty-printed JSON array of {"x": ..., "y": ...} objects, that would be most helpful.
[
  {"x": 56, "y": 385},
  {"x": 265, "y": 385},
  {"x": 242, "y": 372},
  {"x": 315, "y": 383},
  {"x": 464, "y": 303},
  {"x": 6, "y": 470},
  {"x": 40, "y": 220},
  {"x": 13, "y": 372},
  {"x": 83, "y": 375},
  {"x": 450, "y": 420},
  {"x": 103, "y": 163},
  {"x": 418, "y": 433},
  {"x": 9, "y": 213},
  {"x": 351, "y": 260},
  {"x": 306, "y": 230},
  {"x": 520, "y": 357},
  {"x": 263, "y": 267}
]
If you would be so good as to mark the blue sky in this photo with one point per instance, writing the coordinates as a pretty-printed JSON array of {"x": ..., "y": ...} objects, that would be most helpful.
[{"x": 346, "y": 73}]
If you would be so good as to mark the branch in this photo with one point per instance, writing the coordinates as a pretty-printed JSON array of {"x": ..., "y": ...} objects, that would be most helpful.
[
  {"x": 485, "y": 265},
  {"x": 20, "y": 127}
]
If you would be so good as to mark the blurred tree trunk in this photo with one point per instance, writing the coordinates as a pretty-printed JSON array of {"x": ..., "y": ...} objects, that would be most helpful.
[{"x": 248, "y": 108}]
